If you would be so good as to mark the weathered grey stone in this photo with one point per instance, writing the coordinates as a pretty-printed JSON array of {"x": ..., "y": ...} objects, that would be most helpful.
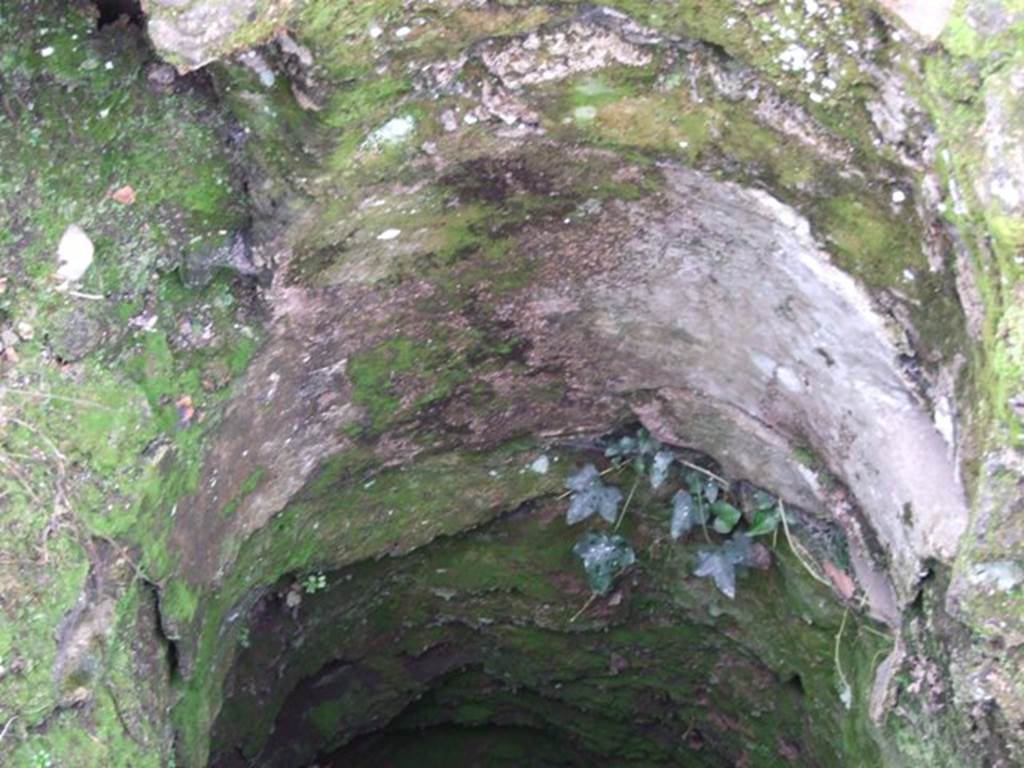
[
  {"x": 1000, "y": 179},
  {"x": 926, "y": 17},
  {"x": 191, "y": 33}
]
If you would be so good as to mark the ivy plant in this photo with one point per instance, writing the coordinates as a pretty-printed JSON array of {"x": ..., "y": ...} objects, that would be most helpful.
[
  {"x": 702, "y": 499},
  {"x": 767, "y": 515},
  {"x": 640, "y": 450},
  {"x": 604, "y": 557},
  {"x": 591, "y": 496},
  {"x": 314, "y": 583},
  {"x": 687, "y": 514},
  {"x": 720, "y": 564}
]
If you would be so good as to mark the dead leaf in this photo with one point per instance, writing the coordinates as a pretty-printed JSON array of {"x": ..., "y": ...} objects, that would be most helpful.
[
  {"x": 186, "y": 410},
  {"x": 125, "y": 195},
  {"x": 840, "y": 580},
  {"x": 304, "y": 100}
]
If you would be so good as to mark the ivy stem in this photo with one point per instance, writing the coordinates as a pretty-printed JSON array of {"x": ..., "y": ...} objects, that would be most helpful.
[
  {"x": 689, "y": 465},
  {"x": 703, "y": 520},
  {"x": 625, "y": 506},
  {"x": 874, "y": 631},
  {"x": 602, "y": 473},
  {"x": 581, "y": 611},
  {"x": 796, "y": 548},
  {"x": 839, "y": 667},
  {"x": 7, "y": 727}
]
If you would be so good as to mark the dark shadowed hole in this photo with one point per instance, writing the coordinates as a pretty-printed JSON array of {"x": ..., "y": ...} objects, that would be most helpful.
[
  {"x": 796, "y": 684},
  {"x": 112, "y": 11}
]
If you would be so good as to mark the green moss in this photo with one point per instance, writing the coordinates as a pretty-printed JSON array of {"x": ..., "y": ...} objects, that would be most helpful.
[
  {"x": 380, "y": 374},
  {"x": 327, "y": 717},
  {"x": 395, "y": 511},
  {"x": 962, "y": 37},
  {"x": 870, "y": 241},
  {"x": 247, "y": 488},
  {"x": 500, "y": 599},
  {"x": 178, "y": 602}
]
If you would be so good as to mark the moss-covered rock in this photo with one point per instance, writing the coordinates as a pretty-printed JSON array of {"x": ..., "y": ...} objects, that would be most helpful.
[{"x": 272, "y": 483}]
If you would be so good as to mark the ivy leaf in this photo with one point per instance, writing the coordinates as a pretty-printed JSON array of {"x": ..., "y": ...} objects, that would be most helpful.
[
  {"x": 738, "y": 550},
  {"x": 726, "y": 516},
  {"x": 645, "y": 444},
  {"x": 660, "y": 467},
  {"x": 604, "y": 558},
  {"x": 639, "y": 448},
  {"x": 765, "y": 522},
  {"x": 624, "y": 446},
  {"x": 711, "y": 491},
  {"x": 591, "y": 496},
  {"x": 693, "y": 482},
  {"x": 720, "y": 568},
  {"x": 640, "y": 464},
  {"x": 764, "y": 500},
  {"x": 721, "y": 564},
  {"x": 686, "y": 514},
  {"x": 584, "y": 479}
]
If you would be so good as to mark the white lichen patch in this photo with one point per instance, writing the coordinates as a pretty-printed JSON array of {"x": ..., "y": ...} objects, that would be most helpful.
[
  {"x": 393, "y": 132},
  {"x": 997, "y": 576},
  {"x": 544, "y": 57},
  {"x": 74, "y": 255}
]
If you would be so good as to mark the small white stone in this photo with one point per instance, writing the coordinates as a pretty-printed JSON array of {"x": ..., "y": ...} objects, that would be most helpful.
[
  {"x": 74, "y": 254},
  {"x": 788, "y": 379},
  {"x": 794, "y": 58},
  {"x": 541, "y": 465},
  {"x": 389, "y": 234},
  {"x": 394, "y": 131},
  {"x": 908, "y": 275},
  {"x": 585, "y": 114},
  {"x": 47, "y": 51},
  {"x": 898, "y": 196},
  {"x": 375, "y": 31},
  {"x": 109, "y": 65},
  {"x": 829, "y": 84},
  {"x": 403, "y": 32},
  {"x": 816, "y": 97}
]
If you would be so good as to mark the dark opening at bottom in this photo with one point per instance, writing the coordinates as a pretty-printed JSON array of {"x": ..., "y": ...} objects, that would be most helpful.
[{"x": 113, "y": 10}]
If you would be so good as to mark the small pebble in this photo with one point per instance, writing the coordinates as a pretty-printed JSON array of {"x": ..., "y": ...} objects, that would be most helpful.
[
  {"x": 25, "y": 331},
  {"x": 389, "y": 234},
  {"x": 541, "y": 465},
  {"x": 74, "y": 254}
]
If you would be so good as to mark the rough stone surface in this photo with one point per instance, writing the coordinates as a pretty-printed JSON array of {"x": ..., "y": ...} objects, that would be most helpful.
[
  {"x": 926, "y": 17},
  {"x": 275, "y": 498},
  {"x": 1000, "y": 179},
  {"x": 191, "y": 33}
]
